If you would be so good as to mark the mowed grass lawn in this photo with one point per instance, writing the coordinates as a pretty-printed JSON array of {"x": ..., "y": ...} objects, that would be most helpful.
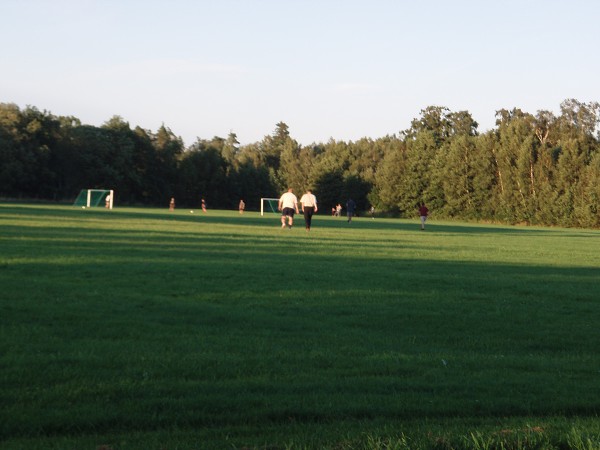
[{"x": 141, "y": 328}]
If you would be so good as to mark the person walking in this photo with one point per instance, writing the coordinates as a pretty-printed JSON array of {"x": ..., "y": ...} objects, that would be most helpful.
[
  {"x": 309, "y": 207},
  {"x": 350, "y": 207},
  {"x": 172, "y": 204},
  {"x": 288, "y": 204},
  {"x": 242, "y": 206},
  {"x": 423, "y": 212}
]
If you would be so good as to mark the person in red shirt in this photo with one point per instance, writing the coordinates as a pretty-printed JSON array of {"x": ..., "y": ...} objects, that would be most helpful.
[{"x": 423, "y": 211}]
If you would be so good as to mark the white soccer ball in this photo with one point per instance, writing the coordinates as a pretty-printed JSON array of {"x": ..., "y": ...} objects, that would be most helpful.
[
  {"x": 192, "y": 211},
  {"x": 83, "y": 207}
]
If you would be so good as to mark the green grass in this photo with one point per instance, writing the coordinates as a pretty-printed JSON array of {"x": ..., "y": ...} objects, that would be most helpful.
[{"x": 140, "y": 328}]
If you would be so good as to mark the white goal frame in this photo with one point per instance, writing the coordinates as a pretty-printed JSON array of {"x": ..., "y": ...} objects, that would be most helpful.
[
  {"x": 262, "y": 204},
  {"x": 88, "y": 197}
]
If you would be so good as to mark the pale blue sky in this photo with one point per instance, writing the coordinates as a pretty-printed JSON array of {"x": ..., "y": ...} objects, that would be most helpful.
[{"x": 328, "y": 68}]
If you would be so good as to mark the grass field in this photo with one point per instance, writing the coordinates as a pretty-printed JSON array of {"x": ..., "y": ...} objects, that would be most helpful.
[{"x": 144, "y": 329}]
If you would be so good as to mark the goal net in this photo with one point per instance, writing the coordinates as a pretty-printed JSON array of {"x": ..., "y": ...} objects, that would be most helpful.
[
  {"x": 95, "y": 197},
  {"x": 268, "y": 205}
]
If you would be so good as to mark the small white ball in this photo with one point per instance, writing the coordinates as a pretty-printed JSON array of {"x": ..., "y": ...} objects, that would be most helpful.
[{"x": 192, "y": 211}]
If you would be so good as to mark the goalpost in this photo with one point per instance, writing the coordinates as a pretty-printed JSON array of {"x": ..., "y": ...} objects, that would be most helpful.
[
  {"x": 95, "y": 197},
  {"x": 268, "y": 205}
]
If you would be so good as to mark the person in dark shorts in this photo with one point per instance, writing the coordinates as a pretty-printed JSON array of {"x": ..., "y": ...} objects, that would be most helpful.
[{"x": 288, "y": 204}]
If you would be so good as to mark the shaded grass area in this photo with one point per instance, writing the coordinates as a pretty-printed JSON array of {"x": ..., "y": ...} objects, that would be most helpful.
[
  {"x": 228, "y": 330},
  {"x": 550, "y": 433}
]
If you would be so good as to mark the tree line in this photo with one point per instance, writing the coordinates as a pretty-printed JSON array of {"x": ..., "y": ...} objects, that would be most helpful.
[{"x": 534, "y": 169}]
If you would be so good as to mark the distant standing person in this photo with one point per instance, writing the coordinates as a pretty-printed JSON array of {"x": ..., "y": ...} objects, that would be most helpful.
[
  {"x": 203, "y": 205},
  {"x": 288, "y": 204},
  {"x": 423, "y": 212},
  {"x": 172, "y": 204},
  {"x": 309, "y": 207},
  {"x": 107, "y": 201},
  {"x": 350, "y": 208},
  {"x": 372, "y": 210},
  {"x": 242, "y": 206}
]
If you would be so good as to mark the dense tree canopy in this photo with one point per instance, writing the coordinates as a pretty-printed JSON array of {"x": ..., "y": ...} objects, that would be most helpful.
[{"x": 537, "y": 169}]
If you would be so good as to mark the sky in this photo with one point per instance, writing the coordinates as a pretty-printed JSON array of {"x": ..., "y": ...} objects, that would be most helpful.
[{"x": 329, "y": 69}]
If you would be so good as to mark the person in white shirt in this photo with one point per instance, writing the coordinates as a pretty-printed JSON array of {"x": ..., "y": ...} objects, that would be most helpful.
[
  {"x": 288, "y": 204},
  {"x": 309, "y": 207}
]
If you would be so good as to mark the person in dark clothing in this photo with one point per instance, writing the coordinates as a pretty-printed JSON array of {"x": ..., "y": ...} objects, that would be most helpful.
[{"x": 350, "y": 208}]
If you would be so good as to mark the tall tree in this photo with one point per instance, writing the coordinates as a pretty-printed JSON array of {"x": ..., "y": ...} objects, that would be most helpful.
[
  {"x": 274, "y": 144},
  {"x": 416, "y": 185},
  {"x": 454, "y": 172},
  {"x": 271, "y": 149},
  {"x": 250, "y": 183},
  {"x": 358, "y": 190},
  {"x": 587, "y": 211},
  {"x": 297, "y": 166},
  {"x": 14, "y": 161},
  {"x": 579, "y": 118},
  {"x": 164, "y": 169},
  {"x": 462, "y": 123},
  {"x": 435, "y": 121},
  {"x": 388, "y": 193},
  {"x": 515, "y": 158},
  {"x": 291, "y": 173},
  {"x": 329, "y": 187},
  {"x": 230, "y": 148},
  {"x": 576, "y": 147},
  {"x": 38, "y": 135},
  {"x": 203, "y": 174}
]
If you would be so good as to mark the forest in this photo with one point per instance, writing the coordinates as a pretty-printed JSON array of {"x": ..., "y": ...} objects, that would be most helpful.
[{"x": 541, "y": 168}]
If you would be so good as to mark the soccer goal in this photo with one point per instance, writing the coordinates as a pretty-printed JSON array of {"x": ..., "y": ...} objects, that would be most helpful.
[
  {"x": 95, "y": 197},
  {"x": 268, "y": 205}
]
